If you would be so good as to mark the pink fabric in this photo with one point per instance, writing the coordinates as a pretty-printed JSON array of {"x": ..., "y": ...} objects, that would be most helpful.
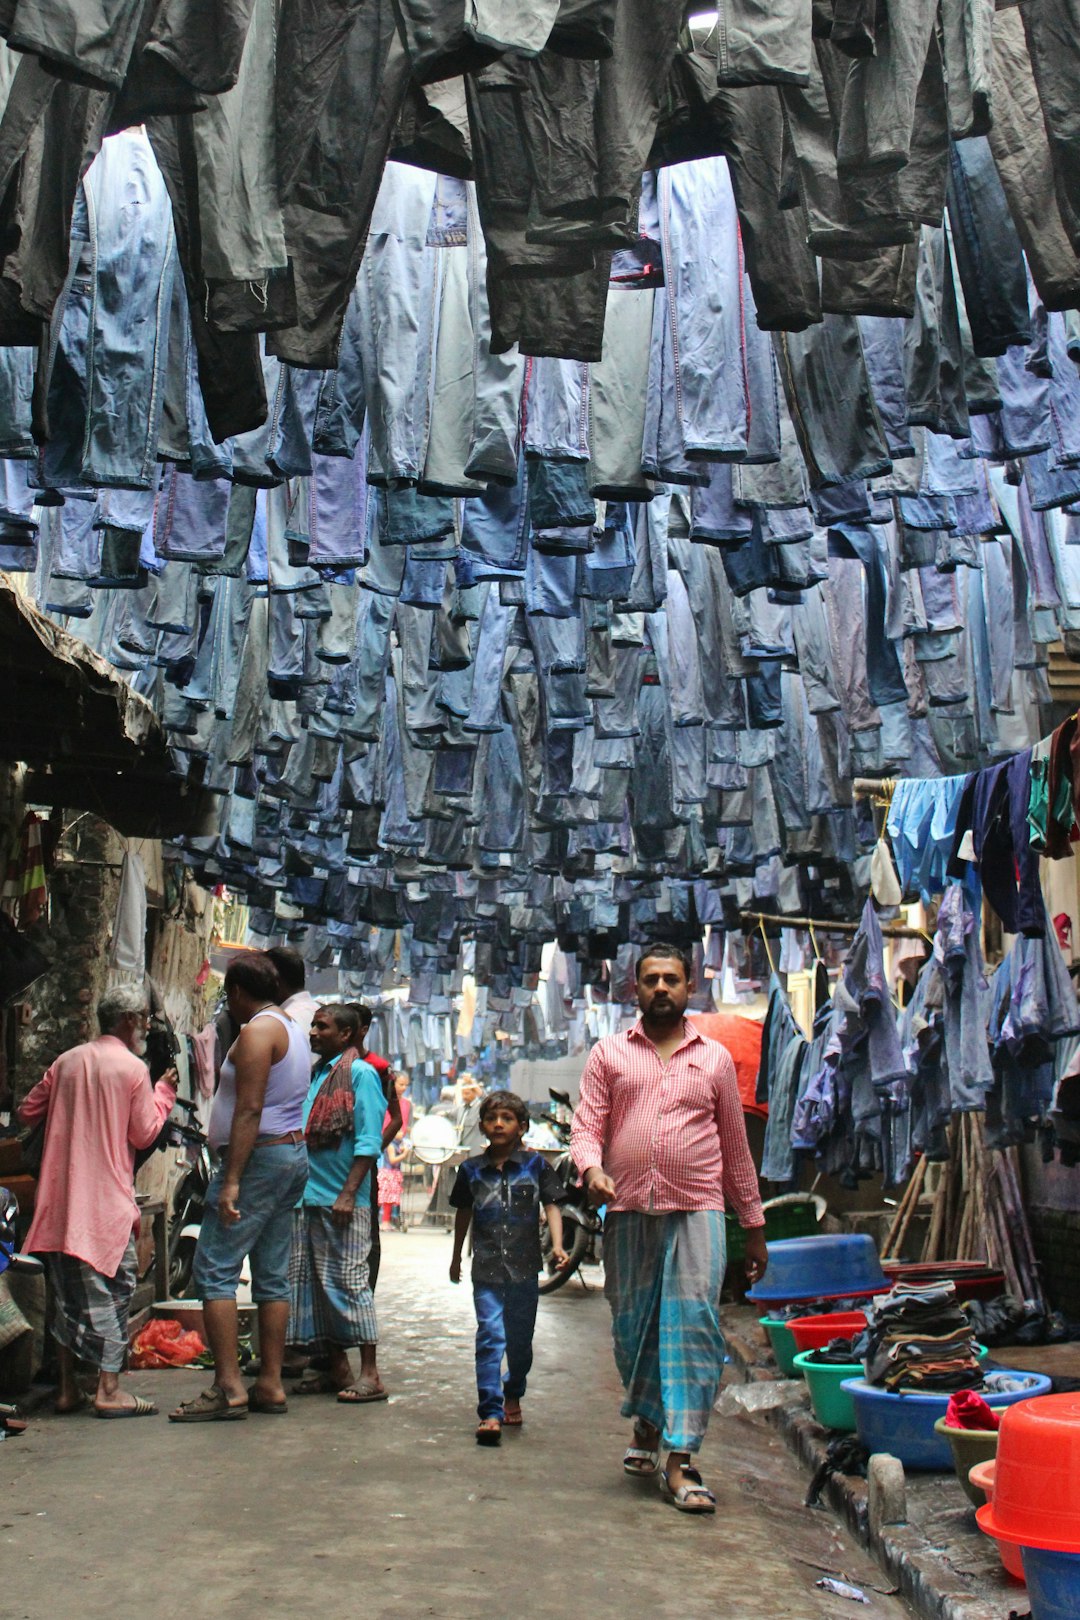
[
  {"x": 100, "y": 1109},
  {"x": 671, "y": 1138},
  {"x": 205, "y": 1044}
]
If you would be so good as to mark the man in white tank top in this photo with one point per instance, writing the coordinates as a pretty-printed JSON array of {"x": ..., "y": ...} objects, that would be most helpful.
[{"x": 256, "y": 1132}]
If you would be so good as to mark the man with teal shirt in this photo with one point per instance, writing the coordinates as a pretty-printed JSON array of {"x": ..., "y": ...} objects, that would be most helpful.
[{"x": 332, "y": 1305}]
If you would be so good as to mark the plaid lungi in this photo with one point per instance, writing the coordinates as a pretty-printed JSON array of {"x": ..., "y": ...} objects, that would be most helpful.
[
  {"x": 663, "y": 1275},
  {"x": 332, "y": 1302},
  {"x": 90, "y": 1311}
]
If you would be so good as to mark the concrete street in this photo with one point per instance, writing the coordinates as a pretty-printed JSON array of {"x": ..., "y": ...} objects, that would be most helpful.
[{"x": 393, "y": 1512}]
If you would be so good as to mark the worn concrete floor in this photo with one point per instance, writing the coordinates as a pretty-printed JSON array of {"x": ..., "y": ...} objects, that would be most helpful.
[{"x": 393, "y": 1512}]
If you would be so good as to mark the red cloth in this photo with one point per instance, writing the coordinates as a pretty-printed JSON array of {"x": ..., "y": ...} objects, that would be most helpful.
[
  {"x": 966, "y": 1410},
  {"x": 742, "y": 1037},
  {"x": 672, "y": 1137}
]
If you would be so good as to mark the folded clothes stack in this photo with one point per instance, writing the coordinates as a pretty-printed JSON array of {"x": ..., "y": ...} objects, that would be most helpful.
[{"x": 920, "y": 1339}]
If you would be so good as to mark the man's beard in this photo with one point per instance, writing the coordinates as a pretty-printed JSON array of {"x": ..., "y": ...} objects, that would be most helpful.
[{"x": 139, "y": 1045}]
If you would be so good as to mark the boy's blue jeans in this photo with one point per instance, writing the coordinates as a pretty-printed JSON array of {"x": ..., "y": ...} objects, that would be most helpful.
[{"x": 505, "y": 1318}]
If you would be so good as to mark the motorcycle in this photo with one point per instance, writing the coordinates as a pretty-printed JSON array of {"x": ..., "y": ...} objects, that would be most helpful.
[
  {"x": 10, "y": 1258},
  {"x": 12, "y": 1421},
  {"x": 583, "y": 1226},
  {"x": 189, "y": 1200}
]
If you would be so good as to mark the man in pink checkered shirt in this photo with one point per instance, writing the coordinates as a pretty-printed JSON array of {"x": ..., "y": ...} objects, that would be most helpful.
[{"x": 659, "y": 1138}]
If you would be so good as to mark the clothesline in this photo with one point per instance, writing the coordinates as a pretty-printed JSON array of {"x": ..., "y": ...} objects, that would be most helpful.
[{"x": 828, "y": 925}]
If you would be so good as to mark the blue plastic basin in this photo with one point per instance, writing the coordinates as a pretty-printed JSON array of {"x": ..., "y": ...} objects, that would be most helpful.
[
  {"x": 1053, "y": 1583},
  {"x": 818, "y": 1267},
  {"x": 903, "y": 1424}
]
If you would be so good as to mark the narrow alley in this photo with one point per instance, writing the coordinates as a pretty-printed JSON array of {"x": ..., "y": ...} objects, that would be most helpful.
[{"x": 392, "y": 1512}]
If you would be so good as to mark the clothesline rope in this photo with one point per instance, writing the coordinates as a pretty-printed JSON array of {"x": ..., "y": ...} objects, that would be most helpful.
[{"x": 827, "y": 925}]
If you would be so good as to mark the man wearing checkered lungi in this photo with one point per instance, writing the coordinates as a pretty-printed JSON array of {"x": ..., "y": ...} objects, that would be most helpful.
[
  {"x": 332, "y": 1306},
  {"x": 659, "y": 1138}
]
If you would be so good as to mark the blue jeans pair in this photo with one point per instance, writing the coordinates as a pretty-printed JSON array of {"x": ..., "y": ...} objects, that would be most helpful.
[
  {"x": 505, "y": 1318},
  {"x": 270, "y": 1189}
]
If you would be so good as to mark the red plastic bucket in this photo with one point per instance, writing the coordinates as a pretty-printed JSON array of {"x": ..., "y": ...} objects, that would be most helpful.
[{"x": 815, "y": 1332}]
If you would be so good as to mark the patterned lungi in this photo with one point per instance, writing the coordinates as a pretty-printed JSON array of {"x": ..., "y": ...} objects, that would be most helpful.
[
  {"x": 90, "y": 1311},
  {"x": 663, "y": 1275},
  {"x": 332, "y": 1302}
]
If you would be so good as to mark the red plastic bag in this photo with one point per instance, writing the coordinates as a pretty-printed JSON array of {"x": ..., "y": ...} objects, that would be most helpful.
[
  {"x": 164, "y": 1343},
  {"x": 966, "y": 1410}
]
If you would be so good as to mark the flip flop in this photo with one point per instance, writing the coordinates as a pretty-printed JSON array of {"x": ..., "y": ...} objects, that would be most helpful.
[
  {"x": 360, "y": 1393},
  {"x": 647, "y": 1456},
  {"x": 265, "y": 1408},
  {"x": 140, "y": 1409},
  {"x": 514, "y": 1419},
  {"x": 315, "y": 1383},
  {"x": 488, "y": 1436},
  {"x": 648, "y": 1459},
  {"x": 212, "y": 1406},
  {"x": 68, "y": 1411},
  {"x": 692, "y": 1497}
]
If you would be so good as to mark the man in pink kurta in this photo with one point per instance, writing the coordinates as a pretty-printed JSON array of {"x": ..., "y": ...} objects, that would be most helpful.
[{"x": 99, "y": 1108}]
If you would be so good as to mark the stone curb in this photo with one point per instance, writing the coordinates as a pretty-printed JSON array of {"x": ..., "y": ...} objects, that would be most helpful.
[{"x": 926, "y": 1575}]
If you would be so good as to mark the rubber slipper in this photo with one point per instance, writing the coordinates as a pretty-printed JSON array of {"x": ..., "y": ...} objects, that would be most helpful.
[
  {"x": 360, "y": 1393},
  {"x": 692, "y": 1497},
  {"x": 68, "y": 1411},
  {"x": 315, "y": 1383},
  {"x": 488, "y": 1436},
  {"x": 513, "y": 1420},
  {"x": 265, "y": 1408},
  {"x": 648, "y": 1459},
  {"x": 212, "y": 1406},
  {"x": 141, "y": 1408}
]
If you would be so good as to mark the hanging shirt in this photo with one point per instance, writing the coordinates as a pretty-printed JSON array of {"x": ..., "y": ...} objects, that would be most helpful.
[{"x": 670, "y": 1135}]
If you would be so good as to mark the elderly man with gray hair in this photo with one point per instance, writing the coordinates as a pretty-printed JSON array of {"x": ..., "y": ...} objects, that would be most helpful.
[{"x": 99, "y": 1109}]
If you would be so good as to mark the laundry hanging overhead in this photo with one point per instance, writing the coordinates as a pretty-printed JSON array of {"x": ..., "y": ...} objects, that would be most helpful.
[{"x": 587, "y": 634}]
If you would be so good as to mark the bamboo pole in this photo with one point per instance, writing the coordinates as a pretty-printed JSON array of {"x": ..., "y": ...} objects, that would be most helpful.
[{"x": 904, "y": 1210}]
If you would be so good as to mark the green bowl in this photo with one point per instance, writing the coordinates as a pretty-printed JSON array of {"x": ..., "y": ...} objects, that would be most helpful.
[
  {"x": 832, "y": 1406},
  {"x": 969, "y": 1447},
  {"x": 783, "y": 1344}
]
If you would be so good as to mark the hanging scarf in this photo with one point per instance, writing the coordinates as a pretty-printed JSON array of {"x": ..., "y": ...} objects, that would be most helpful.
[{"x": 332, "y": 1113}]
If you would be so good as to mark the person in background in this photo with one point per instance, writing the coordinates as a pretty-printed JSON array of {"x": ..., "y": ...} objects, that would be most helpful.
[
  {"x": 292, "y": 973},
  {"x": 659, "y": 1137},
  {"x": 332, "y": 1305},
  {"x": 391, "y": 1125},
  {"x": 466, "y": 1115},
  {"x": 391, "y": 1178},
  {"x": 256, "y": 1133},
  {"x": 501, "y": 1193},
  {"x": 99, "y": 1108}
]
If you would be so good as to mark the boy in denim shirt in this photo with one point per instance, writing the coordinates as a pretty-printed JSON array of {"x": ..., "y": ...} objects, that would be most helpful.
[{"x": 500, "y": 1193}]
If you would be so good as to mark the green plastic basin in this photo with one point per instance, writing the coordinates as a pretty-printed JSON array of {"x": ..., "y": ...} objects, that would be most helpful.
[
  {"x": 783, "y": 1344},
  {"x": 832, "y": 1406}
]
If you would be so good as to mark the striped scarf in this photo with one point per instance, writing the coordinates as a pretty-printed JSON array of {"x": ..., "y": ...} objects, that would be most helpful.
[{"x": 332, "y": 1113}]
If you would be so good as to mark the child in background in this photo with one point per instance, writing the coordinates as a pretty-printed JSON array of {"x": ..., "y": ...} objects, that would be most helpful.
[
  {"x": 391, "y": 1181},
  {"x": 500, "y": 1193}
]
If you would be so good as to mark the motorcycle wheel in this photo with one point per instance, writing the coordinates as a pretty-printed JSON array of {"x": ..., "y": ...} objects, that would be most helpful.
[
  {"x": 181, "y": 1263},
  {"x": 578, "y": 1240}
]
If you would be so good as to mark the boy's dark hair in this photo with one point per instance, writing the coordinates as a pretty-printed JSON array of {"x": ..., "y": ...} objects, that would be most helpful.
[
  {"x": 365, "y": 1016},
  {"x": 508, "y": 1100},
  {"x": 255, "y": 974},
  {"x": 663, "y": 947},
  {"x": 289, "y": 965}
]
